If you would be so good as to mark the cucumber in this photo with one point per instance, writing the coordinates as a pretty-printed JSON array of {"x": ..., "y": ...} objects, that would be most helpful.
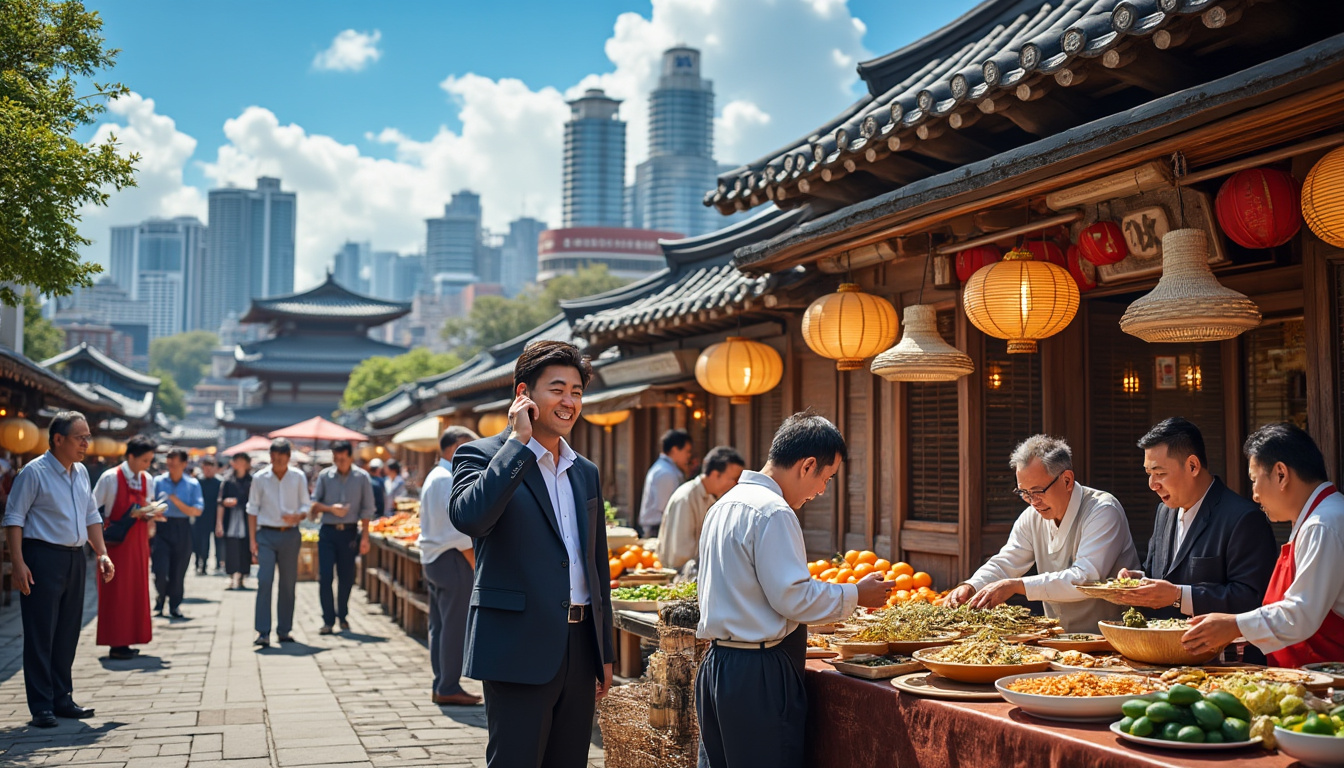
[
  {"x": 1171, "y": 730},
  {"x": 1161, "y": 712},
  {"x": 1135, "y": 708},
  {"x": 1142, "y": 727},
  {"x": 1229, "y": 704},
  {"x": 1125, "y": 724},
  {"x": 1191, "y": 734},
  {"x": 1235, "y": 729},
  {"x": 1207, "y": 716},
  {"x": 1183, "y": 695}
]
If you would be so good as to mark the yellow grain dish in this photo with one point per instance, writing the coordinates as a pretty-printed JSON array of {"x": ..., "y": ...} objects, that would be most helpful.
[{"x": 1084, "y": 684}]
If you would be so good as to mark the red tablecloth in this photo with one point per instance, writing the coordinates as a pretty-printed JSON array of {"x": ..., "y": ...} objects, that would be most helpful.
[{"x": 858, "y": 723}]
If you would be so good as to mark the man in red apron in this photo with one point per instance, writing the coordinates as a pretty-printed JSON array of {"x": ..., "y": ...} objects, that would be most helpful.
[
  {"x": 1302, "y": 618},
  {"x": 123, "y": 604}
]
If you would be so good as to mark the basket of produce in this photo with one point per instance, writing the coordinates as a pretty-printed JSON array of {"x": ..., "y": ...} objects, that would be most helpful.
[
  {"x": 1152, "y": 642},
  {"x": 982, "y": 658},
  {"x": 1184, "y": 718},
  {"x": 876, "y": 667},
  {"x": 1083, "y": 642},
  {"x": 1109, "y": 590},
  {"x": 1075, "y": 696}
]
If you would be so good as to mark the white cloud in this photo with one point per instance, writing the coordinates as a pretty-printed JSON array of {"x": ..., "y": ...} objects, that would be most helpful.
[{"x": 350, "y": 51}]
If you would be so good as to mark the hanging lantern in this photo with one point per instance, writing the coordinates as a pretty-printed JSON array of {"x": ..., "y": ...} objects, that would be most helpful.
[
  {"x": 43, "y": 443},
  {"x": 971, "y": 260},
  {"x": 1189, "y": 304},
  {"x": 606, "y": 420},
  {"x": 1102, "y": 243},
  {"x": 1044, "y": 250},
  {"x": 922, "y": 355},
  {"x": 1082, "y": 270},
  {"x": 491, "y": 424},
  {"x": 1021, "y": 299},
  {"x": 366, "y": 452},
  {"x": 1258, "y": 207},
  {"x": 739, "y": 369},
  {"x": 1323, "y": 198},
  {"x": 18, "y": 436},
  {"x": 849, "y": 326},
  {"x": 102, "y": 446}
]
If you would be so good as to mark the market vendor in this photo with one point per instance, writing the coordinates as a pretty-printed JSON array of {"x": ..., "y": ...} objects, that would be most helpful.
[
  {"x": 1069, "y": 532},
  {"x": 679, "y": 537},
  {"x": 1212, "y": 550},
  {"x": 1302, "y": 618},
  {"x": 756, "y": 597}
]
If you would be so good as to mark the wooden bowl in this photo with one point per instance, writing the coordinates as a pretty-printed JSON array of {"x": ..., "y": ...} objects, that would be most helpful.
[
  {"x": 1095, "y": 644},
  {"x": 851, "y": 648},
  {"x": 978, "y": 673},
  {"x": 1154, "y": 646},
  {"x": 907, "y": 647}
]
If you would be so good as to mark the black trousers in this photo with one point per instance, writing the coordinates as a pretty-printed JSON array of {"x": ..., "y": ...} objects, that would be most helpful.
[
  {"x": 202, "y": 531},
  {"x": 548, "y": 725},
  {"x": 237, "y": 556},
  {"x": 336, "y": 553},
  {"x": 53, "y": 612},
  {"x": 449, "y": 581},
  {"x": 752, "y": 705},
  {"x": 169, "y": 558}
]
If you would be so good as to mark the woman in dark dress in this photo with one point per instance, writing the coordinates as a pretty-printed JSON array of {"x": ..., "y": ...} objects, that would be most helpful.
[{"x": 231, "y": 522}]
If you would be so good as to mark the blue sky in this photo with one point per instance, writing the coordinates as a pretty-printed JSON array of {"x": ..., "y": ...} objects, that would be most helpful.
[{"x": 236, "y": 92}]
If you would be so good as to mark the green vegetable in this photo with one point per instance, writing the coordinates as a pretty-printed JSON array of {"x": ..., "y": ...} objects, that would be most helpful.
[
  {"x": 1318, "y": 725},
  {"x": 1183, "y": 695},
  {"x": 1160, "y": 696},
  {"x": 1142, "y": 727},
  {"x": 1191, "y": 734},
  {"x": 1337, "y": 711},
  {"x": 1171, "y": 730},
  {"x": 1133, "y": 618},
  {"x": 1290, "y": 704},
  {"x": 1235, "y": 729},
  {"x": 1213, "y": 737},
  {"x": 1207, "y": 715},
  {"x": 1229, "y": 704},
  {"x": 1161, "y": 712},
  {"x": 1135, "y": 708},
  {"x": 1126, "y": 723},
  {"x": 1291, "y": 720}
]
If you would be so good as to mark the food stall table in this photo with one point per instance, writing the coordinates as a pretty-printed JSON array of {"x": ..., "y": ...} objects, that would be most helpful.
[
  {"x": 861, "y": 722},
  {"x": 393, "y": 578},
  {"x": 630, "y": 627}
]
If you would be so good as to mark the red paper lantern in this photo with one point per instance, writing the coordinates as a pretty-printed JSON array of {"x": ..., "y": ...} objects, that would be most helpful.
[
  {"x": 972, "y": 259},
  {"x": 1102, "y": 242},
  {"x": 1258, "y": 207},
  {"x": 1044, "y": 250},
  {"x": 1084, "y": 271}
]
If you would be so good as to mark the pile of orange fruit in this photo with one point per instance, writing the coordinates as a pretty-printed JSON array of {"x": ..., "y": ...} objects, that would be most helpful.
[
  {"x": 629, "y": 558},
  {"x": 910, "y": 585},
  {"x": 403, "y": 525}
]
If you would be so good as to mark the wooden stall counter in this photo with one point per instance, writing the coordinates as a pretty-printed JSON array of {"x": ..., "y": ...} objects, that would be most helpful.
[{"x": 392, "y": 577}]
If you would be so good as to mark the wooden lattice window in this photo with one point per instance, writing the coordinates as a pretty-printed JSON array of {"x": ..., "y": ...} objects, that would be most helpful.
[
  {"x": 1012, "y": 386},
  {"x": 932, "y": 419}
]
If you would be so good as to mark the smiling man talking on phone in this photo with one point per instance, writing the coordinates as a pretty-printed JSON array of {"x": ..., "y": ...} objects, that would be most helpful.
[{"x": 538, "y": 626}]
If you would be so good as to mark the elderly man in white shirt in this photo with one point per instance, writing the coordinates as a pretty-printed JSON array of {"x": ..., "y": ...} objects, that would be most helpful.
[
  {"x": 1302, "y": 618},
  {"x": 679, "y": 539},
  {"x": 277, "y": 504},
  {"x": 756, "y": 597},
  {"x": 448, "y": 561},
  {"x": 1070, "y": 532}
]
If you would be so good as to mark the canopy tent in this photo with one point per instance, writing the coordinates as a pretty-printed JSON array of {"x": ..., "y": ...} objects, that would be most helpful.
[
  {"x": 423, "y": 435},
  {"x": 318, "y": 429},
  {"x": 254, "y": 443}
]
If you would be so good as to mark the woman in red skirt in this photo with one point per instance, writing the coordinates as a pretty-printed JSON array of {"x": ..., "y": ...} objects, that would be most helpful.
[{"x": 123, "y": 603}]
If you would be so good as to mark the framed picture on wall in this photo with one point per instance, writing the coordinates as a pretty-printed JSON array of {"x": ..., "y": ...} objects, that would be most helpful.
[{"x": 1165, "y": 372}]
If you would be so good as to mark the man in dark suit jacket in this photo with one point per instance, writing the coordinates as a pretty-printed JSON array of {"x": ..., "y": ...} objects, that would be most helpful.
[
  {"x": 539, "y": 623},
  {"x": 1212, "y": 551}
]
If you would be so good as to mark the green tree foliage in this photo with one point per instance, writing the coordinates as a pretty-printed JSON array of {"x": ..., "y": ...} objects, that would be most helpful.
[
  {"x": 48, "y": 50},
  {"x": 378, "y": 375},
  {"x": 183, "y": 356},
  {"x": 41, "y": 338},
  {"x": 494, "y": 319},
  {"x": 171, "y": 400}
]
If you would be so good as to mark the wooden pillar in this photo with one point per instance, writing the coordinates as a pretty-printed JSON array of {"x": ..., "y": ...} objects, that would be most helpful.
[{"x": 970, "y": 440}]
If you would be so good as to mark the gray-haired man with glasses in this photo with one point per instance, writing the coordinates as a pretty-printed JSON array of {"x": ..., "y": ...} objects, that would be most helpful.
[{"x": 1069, "y": 532}]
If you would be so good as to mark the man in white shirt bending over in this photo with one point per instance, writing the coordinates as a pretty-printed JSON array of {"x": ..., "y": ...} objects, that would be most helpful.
[
  {"x": 756, "y": 598},
  {"x": 1070, "y": 532}
]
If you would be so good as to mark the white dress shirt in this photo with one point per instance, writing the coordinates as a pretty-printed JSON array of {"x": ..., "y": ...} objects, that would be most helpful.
[
  {"x": 1183, "y": 522},
  {"x": 754, "y": 584},
  {"x": 562, "y": 501},
  {"x": 659, "y": 485},
  {"x": 51, "y": 503},
  {"x": 273, "y": 497},
  {"x": 105, "y": 490},
  {"x": 679, "y": 538},
  {"x": 1317, "y": 587},
  {"x": 437, "y": 533}
]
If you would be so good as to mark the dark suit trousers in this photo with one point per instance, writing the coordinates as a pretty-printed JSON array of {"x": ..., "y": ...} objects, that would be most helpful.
[
  {"x": 336, "y": 553},
  {"x": 52, "y": 614},
  {"x": 202, "y": 531},
  {"x": 548, "y": 725},
  {"x": 449, "y": 578},
  {"x": 169, "y": 558},
  {"x": 752, "y": 705}
]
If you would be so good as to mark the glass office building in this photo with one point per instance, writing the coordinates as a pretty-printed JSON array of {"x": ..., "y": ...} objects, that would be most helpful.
[{"x": 594, "y": 173}]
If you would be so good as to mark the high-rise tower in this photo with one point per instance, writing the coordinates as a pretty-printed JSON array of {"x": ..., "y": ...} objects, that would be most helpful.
[
  {"x": 594, "y": 180},
  {"x": 250, "y": 248},
  {"x": 158, "y": 263}
]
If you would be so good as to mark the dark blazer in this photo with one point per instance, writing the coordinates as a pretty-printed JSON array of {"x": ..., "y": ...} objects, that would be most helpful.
[
  {"x": 517, "y": 622},
  {"x": 1226, "y": 557}
]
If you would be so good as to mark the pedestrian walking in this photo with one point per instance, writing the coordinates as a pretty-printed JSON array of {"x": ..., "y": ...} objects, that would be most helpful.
[
  {"x": 663, "y": 479},
  {"x": 231, "y": 524},
  {"x": 203, "y": 527},
  {"x": 170, "y": 552},
  {"x": 49, "y": 516},
  {"x": 394, "y": 485},
  {"x": 379, "y": 490},
  {"x": 343, "y": 498},
  {"x": 538, "y": 636},
  {"x": 756, "y": 598},
  {"x": 277, "y": 504},
  {"x": 447, "y": 559},
  {"x": 123, "y": 604}
]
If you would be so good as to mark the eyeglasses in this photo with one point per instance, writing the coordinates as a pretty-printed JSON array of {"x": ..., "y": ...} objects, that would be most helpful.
[
  {"x": 81, "y": 439},
  {"x": 1034, "y": 496}
]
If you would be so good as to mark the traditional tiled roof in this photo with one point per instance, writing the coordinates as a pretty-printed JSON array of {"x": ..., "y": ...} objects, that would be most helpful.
[
  {"x": 18, "y": 368},
  {"x": 84, "y": 352},
  {"x": 503, "y": 356},
  {"x": 308, "y": 354},
  {"x": 328, "y": 301},
  {"x": 1006, "y": 72}
]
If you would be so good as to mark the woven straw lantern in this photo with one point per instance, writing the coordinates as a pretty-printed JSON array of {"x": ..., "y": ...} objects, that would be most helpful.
[
  {"x": 739, "y": 369},
  {"x": 922, "y": 355},
  {"x": 491, "y": 424},
  {"x": 18, "y": 436},
  {"x": 1323, "y": 198},
  {"x": 606, "y": 420},
  {"x": 849, "y": 326},
  {"x": 1021, "y": 300},
  {"x": 1189, "y": 304}
]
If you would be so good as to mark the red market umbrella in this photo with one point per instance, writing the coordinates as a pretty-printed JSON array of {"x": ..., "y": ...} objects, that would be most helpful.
[
  {"x": 251, "y": 444},
  {"x": 318, "y": 429}
]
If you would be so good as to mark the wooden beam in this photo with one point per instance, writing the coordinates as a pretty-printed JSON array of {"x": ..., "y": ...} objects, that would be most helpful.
[{"x": 970, "y": 450}]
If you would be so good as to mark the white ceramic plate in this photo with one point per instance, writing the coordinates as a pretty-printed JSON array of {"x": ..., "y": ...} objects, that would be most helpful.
[
  {"x": 1180, "y": 745},
  {"x": 1070, "y": 709},
  {"x": 1311, "y": 750}
]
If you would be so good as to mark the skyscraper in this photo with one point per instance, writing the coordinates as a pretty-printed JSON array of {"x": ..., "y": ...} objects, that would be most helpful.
[
  {"x": 348, "y": 266},
  {"x": 670, "y": 185},
  {"x": 251, "y": 248},
  {"x": 453, "y": 242},
  {"x": 381, "y": 264},
  {"x": 519, "y": 255},
  {"x": 594, "y": 174},
  {"x": 408, "y": 274},
  {"x": 158, "y": 263}
]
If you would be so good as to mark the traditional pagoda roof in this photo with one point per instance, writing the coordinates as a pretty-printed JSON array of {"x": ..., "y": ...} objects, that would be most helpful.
[
  {"x": 1010, "y": 72},
  {"x": 307, "y": 355},
  {"x": 330, "y": 302},
  {"x": 17, "y": 368},
  {"x": 126, "y": 378},
  {"x": 498, "y": 371}
]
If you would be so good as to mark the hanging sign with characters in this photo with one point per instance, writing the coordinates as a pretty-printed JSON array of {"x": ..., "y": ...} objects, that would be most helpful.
[{"x": 1144, "y": 219}]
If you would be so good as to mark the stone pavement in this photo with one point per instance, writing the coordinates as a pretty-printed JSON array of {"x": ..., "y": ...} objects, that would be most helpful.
[{"x": 201, "y": 696}]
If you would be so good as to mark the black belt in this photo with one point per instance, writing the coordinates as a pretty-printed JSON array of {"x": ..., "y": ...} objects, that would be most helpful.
[
  {"x": 277, "y": 527},
  {"x": 340, "y": 526},
  {"x": 49, "y": 545},
  {"x": 577, "y": 613}
]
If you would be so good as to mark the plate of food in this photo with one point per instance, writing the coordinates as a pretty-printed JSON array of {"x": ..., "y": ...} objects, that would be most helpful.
[
  {"x": 1079, "y": 697},
  {"x": 876, "y": 667},
  {"x": 1314, "y": 750},
  {"x": 1182, "y": 717},
  {"x": 1334, "y": 669},
  {"x": 1108, "y": 589},
  {"x": 933, "y": 686},
  {"x": 983, "y": 659},
  {"x": 1083, "y": 642},
  {"x": 849, "y": 647},
  {"x": 819, "y": 647},
  {"x": 1153, "y": 641},
  {"x": 907, "y": 647},
  {"x": 153, "y": 508},
  {"x": 1231, "y": 677},
  {"x": 1073, "y": 661}
]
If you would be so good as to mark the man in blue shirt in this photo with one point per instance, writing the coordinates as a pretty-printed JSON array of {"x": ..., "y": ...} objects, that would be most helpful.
[
  {"x": 170, "y": 550},
  {"x": 663, "y": 479}
]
